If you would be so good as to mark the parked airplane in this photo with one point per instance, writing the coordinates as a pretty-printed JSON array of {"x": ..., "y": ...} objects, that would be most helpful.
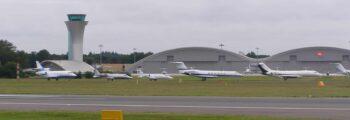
[
  {"x": 46, "y": 72},
  {"x": 287, "y": 74},
  {"x": 162, "y": 76},
  {"x": 204, "y": 74},
  {"x": 111, "y": 76},
  {"x": 340, "y": 68}
]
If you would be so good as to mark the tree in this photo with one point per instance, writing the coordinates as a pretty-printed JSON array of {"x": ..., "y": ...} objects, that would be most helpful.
[
  {"x": 251, "y": 55},
  {"x": 7, "y": 52},
  {"x": 23, "y": 59},
  {"x": 9, "y": 70},
  {"x": 89, "y": 74},
  {"x": 43, "y": 55}
]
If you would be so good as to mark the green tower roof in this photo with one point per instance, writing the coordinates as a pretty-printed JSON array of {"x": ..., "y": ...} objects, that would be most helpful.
[{"x": 76, "y": 17}]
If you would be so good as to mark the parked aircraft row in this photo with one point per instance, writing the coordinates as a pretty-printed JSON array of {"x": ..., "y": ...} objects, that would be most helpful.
[
  {"x": 284, "y": 74},
  {"x": 183, "y": 69},
  {"x": 47, "y": 73}
]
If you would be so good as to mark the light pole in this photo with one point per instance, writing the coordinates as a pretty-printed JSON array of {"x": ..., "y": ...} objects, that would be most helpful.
[
  {"x": 221, "y": 57},
  {"x": 100, "y": 53},
  {"x": 134, "y": 54},
  {"x": 221, "y": 45},
  {"x": 257, "y": 50}
]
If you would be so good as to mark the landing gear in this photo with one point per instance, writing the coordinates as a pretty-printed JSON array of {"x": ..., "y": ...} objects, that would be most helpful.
[
  {"x": 204, "y": 79},
  {"x": 285, "y": 78}
]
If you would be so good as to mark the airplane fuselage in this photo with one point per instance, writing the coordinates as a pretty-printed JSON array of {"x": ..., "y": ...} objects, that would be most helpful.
[
  {"x": 157, "y": 76},
  {"x": 118, "y": 76},
  {"x": 56, "y": 74},
  {"x": 211, "y": 74},
  {"x": 301, "y": 73}
]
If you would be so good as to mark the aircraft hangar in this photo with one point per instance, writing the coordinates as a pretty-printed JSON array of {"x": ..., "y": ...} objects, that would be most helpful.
[
  {"x": 195, "y": 57},
  {"x": 308, "y": 58},
  {"x": 74, "y": 66}
]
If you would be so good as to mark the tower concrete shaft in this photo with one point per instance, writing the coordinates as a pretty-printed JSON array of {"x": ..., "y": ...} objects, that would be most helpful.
[{"x": 75, "y": 26}]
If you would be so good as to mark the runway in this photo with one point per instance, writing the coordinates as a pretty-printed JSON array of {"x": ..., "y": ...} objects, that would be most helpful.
[{"x": 332, "y": 108}]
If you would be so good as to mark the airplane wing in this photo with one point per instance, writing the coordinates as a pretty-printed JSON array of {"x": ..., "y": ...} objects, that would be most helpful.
[
  {"x": 118, "y": 76},
  {"x": 51, "y": 75},
  {"x": 289, "y": 76},
  {"x": 110, "y": 77},
  {"x": 206, "y": 76}
]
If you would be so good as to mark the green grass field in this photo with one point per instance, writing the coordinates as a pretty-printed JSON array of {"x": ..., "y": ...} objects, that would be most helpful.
[
  {"x": 183, "y": 86},
  {"x": 133, "y": 116}
]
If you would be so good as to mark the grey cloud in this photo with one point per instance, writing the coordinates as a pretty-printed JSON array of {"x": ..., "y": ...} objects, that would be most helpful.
[{"x": 242, "y": 25}]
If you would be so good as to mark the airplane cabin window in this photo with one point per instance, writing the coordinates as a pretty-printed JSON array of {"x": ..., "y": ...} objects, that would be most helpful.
[
  {"x": 293, "y": 58},
  {"x": 222, "y": 58},
  {"x": 170, "y": 58},
  {"x": 345, "y": 57}
]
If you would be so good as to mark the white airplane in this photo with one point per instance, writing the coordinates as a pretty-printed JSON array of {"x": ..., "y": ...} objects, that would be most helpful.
[
  {"x": 46, "y": 72},
  {"x": 204, "y": 74},
  {"x": 340, "y": 68},
  {"x": 287, "y": 74},
  {"x": 111, "y": 76},
  {"x": 162, "y": 76}
]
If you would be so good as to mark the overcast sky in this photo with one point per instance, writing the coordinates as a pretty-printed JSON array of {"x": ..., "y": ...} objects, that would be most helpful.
[{"x": 156, "y": 25}]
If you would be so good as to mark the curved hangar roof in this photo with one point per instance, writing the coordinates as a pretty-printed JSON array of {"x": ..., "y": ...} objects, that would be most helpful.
[
  {"x": 312, "y": 58},
  {"x": 311, "y": 54},
  {"x": 199, "y": 56},
  {"x": 208, "y": 58},
  {"x": 196, "y": 54},
  {"x": 74, "y": 66}
]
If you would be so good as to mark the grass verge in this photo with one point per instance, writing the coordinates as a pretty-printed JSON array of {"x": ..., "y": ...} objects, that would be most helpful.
[
  {"x": 183, "y": 86},
  {"x": 133, "y": 116}
]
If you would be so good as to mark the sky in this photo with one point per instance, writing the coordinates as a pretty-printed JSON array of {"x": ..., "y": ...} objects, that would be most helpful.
[{"x": 273, "y": 26}]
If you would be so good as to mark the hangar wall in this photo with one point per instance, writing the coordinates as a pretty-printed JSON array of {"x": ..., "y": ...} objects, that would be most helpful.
[
  {"x": 195, "y": 57},
  {"x": 311, "y": 58},
  {"x": 74, "y": 66}
]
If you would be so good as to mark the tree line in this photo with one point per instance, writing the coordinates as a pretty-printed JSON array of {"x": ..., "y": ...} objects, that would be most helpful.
[{"x": 10, "y": 57}]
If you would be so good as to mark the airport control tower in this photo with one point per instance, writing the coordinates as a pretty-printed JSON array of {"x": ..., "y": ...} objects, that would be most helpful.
[{"x": 75, "y": 26}]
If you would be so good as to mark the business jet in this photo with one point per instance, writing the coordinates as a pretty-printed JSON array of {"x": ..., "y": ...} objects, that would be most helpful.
[
  {"x": 287, "y": 74},
  {"x": 340, "y": 68},
  {"x": 155, "y": 77},
  {"x": 46, "y": 72},
  {"x": 204, "y": 74},
  {"x": 111, "y": 76}
]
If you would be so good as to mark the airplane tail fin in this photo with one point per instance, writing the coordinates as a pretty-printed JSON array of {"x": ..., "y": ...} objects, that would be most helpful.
[
  {"x": 180, "y": 66},
  {"x": 164, "y": 71},
  {"x": 340, "y": 67},
  {"x": 38, "y": 65},
  {"x": 264, "y": 68},
  {"x": 96, "y": 73},
  {"x": 139, "y": 72}
]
